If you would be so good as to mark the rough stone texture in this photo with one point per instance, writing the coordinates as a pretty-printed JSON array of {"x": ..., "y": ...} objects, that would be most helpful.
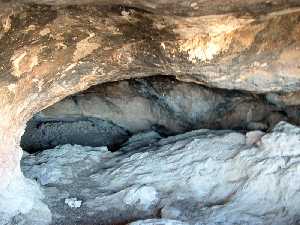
[
  {"x": 201, "y": 177},
  {"x": 185, "y": 7},
  {"x": 284, "y": 100},
  {"x": 86, "y": 131},
  {"x": 50, "y": 52},
  {"x": 158, "y": 222},
  {"x": 157, "y": 103},
  {"x": 16, "y": 207}
]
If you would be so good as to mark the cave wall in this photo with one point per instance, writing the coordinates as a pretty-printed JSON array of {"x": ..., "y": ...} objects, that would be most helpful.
[
  {"x": 108, "y": 114},
  {"x": 50, "y": 52}
]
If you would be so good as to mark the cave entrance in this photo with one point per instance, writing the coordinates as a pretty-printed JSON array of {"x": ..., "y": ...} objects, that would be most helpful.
[
  {"x": 109, "y": 114},
  {"x": 102, "y": 155}
]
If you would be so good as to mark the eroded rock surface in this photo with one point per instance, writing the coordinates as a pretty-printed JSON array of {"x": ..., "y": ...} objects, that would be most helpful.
[
  {"x": 158, "y": 222},
  {"x": 44, "y": 134},
  {"x": 201, "y": 177},
  {"x": 21, "y": 204},
  {"x": 48, "y": 52},
  {"x": 184, "y": 8},
  {"x": 108, "y": 114}
]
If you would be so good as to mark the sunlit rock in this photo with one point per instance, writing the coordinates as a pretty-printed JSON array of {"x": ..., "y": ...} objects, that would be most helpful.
[{"x": 201, "y": 177}]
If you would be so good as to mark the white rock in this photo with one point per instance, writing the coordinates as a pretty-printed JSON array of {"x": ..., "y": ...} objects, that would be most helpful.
[
  {"x": 73, "y": 202},
  {"x": 254, "y": 137},
  {"x": 144, "y": 196},
  {"x": 202, "y": 177},
  {"x": 21, "y": 204}
]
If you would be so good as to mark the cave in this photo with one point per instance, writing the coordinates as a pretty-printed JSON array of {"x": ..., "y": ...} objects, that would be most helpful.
[
  {"x": 75, "y": 147},
  {"x": 109, "y": 114},
  {"x": 160, "y": 112}
]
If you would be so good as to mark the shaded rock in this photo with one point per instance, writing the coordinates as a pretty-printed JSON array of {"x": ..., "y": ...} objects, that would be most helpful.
[
  {"x": 284, "y": 99},
  {"x": 201, "y": 177},
  {"x": 164, "y": 104},
  {"x": 141, "y": 140},
  {"x": 41, "y": 134},
  {"x": 106, "y": 114}
]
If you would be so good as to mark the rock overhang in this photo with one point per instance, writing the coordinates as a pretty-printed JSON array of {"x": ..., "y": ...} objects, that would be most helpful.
[{"x": 51, "y": 49}]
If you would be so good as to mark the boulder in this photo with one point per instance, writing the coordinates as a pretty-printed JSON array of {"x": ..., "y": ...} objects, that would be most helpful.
[{"x": 200, "y": 177}]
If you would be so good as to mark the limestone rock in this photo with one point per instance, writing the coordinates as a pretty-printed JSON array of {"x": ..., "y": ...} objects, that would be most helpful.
[
  {"x": 21, "y": 204},
  {"x": 200, "y": 177},
  {"x": 107, "y": 114},
  {"x": 254, "y": 137},
  {"x": 158, "y": 222},
  {"x": 48, "y": 52}
]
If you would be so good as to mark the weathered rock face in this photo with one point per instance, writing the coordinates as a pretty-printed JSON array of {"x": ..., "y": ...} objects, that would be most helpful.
[
  {"x": 50, "y": 52},
  {"x": 185, "y": 8},
  {"x": 201, "y": 177},
  {"x": 109, "y": 113}
]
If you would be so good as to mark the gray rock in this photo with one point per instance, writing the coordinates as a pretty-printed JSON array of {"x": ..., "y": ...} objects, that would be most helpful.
[
  {"x": 158, "y": 222},
  {"x": 106, "y": 114},
  {"x": 94, "y": 132},
  {"x": 201, "y": 177}
]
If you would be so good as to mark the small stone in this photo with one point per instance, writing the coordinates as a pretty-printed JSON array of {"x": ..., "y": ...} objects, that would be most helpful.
[
  {"x": 253, "y": 137},
  {"x": 73, "y": 202}
]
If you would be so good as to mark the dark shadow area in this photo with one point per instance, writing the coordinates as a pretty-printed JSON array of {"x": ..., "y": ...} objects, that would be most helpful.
[{"x": 109, "y": 114}]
